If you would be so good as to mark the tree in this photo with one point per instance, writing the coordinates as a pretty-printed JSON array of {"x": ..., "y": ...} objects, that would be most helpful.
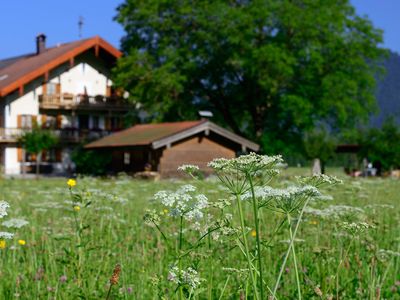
[
  {"x": 319, "y": 145},
  {"x": 90, "y": 162},
  {"x": 36, "y": 141},
  {"x": 267, "y": 69},
  {"x": 381, "y": 145}
]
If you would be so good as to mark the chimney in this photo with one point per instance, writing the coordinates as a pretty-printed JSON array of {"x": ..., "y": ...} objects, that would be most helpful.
[{"x": 40, "y": 43}]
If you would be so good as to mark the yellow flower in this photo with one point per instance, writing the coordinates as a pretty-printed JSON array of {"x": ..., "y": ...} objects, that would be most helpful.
[
  {"x": 313, "y": 222},
  {"x": 77, "y": 208},
  {"x": 71, "y": 183},
  {"x": 165, "y": 211},
  {"x": 2, "y": 244},
  {"x": 22, "y": 242},
  {"x": 253, "y": 233}
]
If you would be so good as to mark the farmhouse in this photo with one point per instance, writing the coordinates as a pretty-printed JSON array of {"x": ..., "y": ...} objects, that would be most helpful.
[
  {"x": 164, "y": 147},
  {"x": 65, "y": 89}
]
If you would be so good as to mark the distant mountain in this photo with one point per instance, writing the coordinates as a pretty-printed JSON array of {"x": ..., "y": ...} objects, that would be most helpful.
[{"x": 388, "y": 91}]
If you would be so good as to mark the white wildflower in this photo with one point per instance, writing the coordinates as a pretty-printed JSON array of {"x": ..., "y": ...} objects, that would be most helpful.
[
  {"x": 186, "y": 189},
  {"x": 15, "y": 223},
  {"x": 383, "y": 252},
  {"x": 318, "y": 180},
  {"x": 6, "y": 235},
  {"x": 188, "y": 277},
  {"x": 247, "y": 164},
  {"x": 355, "y": 228},
  {"x": 173, "y": 274},
  {"x": 335, "y": 211},
  {"x": 183, "y": 202},
  {"x": 3, "y": 208},
  {"x": 188, "y": 168},
  {"x": 191, "y": 278}
]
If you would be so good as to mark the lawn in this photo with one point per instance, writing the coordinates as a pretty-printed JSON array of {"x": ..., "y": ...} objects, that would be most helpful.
[{"x": 76, "y": 236}]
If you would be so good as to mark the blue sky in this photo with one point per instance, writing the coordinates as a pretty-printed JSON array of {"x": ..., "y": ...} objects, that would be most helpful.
[{"x": 22, "y": 20}]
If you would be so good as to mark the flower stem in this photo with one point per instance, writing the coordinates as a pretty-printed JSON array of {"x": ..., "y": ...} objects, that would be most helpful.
[
  {"x": 256, "y": 224},
  {"x": 294, "y": 257},
  {"x": 179, "y": 255},
  {"x": 289, "y": 248},
  {"x": 246, "y": 246}
]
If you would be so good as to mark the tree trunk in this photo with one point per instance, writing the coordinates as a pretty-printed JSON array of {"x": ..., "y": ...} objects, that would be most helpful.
[
  {"x": 316, "y": 167},
  {"x": 38, "y": 156}
]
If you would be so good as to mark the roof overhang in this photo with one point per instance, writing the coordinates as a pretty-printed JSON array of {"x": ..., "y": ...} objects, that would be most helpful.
[
  {"x": 95, "y": 42},
  {"x": 206, "y": 127}
]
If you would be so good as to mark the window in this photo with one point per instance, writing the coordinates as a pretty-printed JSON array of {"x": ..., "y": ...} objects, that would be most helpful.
[
  {"x": 114, "y": 123},
  {"x": 83, "y": 121},
  {"x": 127, "y": 158},
  {"x": 51, "y": 88},
  {"x": 49, "y": 121},
  {"x": 95, "y": 122},
  {"x": 26, "y": 121}
]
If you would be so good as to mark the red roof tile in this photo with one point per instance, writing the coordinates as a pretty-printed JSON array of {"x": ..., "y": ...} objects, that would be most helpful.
[{"x": 21, "y": 70}]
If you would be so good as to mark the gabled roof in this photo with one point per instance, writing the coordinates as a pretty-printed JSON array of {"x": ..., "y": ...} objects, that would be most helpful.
[
  {"x": 18, "y": 71},
  {"x": 164, "y": 134}
]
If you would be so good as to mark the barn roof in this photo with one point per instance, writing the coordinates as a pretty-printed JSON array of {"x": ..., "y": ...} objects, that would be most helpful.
[
  {"x": 164, "y": 134},
  {"x": 17, "y": 71}
]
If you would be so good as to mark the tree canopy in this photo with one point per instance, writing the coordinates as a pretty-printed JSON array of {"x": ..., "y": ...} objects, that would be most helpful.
[
  {"x": 36, "y": 141},
  {"x": 270, "y": 70}
]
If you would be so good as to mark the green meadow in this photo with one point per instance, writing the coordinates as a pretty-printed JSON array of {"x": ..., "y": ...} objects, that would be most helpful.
[{"x": 76, "y": 236}]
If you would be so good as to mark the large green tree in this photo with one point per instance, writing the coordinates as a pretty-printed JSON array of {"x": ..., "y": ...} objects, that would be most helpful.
[{"x": 268, "y": 69}]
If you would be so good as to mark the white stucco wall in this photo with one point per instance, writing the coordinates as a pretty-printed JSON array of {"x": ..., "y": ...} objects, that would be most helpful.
[
  {"x": 80, "y": 76},
  {"x": 27, "y": 104},
  {"x": 74, "y": 81},
  {"x": 12, "y": 166}
]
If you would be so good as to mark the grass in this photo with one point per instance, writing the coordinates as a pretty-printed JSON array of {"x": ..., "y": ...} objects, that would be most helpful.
[{"x": 71, "y": 254}]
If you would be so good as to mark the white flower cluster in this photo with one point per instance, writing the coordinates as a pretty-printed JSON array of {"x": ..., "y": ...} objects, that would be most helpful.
[
  {"x": 335, "y": 211},
  {"x": 188, "y": 168},
  {"x": 188, "y": 277},
  {"x": 265, "y": 193},
  {"x": 388, "y": 253},
  {"x": 285, "y": 200},
  {"x": 183, "y": 202},
  {"x": 15, "y": 223},
  {"x": 249, "y": 163},
  {"x": 3, "y": 208},
  {"x": 319, "y": 180},
  {"x": 355, "y": 228},
  {"x": 6, "y": 235}
]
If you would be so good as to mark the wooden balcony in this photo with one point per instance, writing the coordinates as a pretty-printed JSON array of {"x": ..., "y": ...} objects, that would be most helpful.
[
  {"x": 65, "y": 135},
  {"x": 10, "y": 135},
  {"x": 67, "y": 101}
]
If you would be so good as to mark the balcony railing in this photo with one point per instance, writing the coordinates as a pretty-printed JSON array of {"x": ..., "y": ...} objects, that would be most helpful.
[
  {"x": 70, "y": 101},
  {"x": 10, "y": 134},
  {"x": 71, "y": 135}
]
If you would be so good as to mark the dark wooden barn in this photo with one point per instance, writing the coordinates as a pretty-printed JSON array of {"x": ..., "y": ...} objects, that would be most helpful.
[{"x": 164, "y": 147}]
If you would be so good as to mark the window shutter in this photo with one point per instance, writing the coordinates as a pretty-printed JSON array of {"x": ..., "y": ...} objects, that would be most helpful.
[
  {"x": 44, "y": 155},
  {"x": 34, "y": 121},
  {"x": 58, "y": 155},
  {"x": 19, "y": 154},
  {"x": 59, "y": 121},
  {"x": 58, "y": 88},
  {"x": 44, "y": 119},
  {"x": 19, "y": 121},
  {"x": 108, "y": 91}
]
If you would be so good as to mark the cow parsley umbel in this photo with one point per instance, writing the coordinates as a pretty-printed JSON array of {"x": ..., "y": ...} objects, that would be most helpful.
[{"x": 3, "y": 208}]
